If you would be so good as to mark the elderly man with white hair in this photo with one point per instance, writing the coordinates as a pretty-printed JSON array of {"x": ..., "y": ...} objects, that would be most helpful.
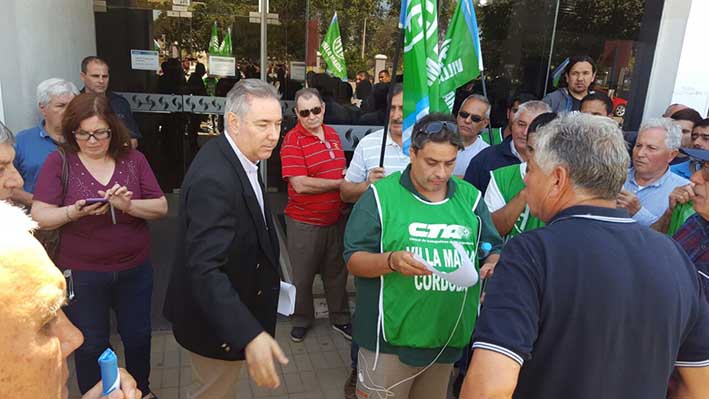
[
  {"x": 650, "y": 180},
  {"x": 592, "y": 305},
  {"x": 36, "y": 143}
]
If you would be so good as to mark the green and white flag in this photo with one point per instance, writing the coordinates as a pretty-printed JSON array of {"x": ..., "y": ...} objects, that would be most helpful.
[
  {"x": 225, "y": 48},
  {"x": 214, "y": 40},
  {"x": 461, "y": 58},
  {"x": 421, "y": 63},
  {"x": 332, "y": 52}
]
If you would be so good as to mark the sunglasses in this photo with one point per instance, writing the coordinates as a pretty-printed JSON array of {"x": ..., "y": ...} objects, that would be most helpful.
[
  {"x": 304, "y": 113},
  {"x": 466, "y": 115},
  {"x": 437, "y": 127}
]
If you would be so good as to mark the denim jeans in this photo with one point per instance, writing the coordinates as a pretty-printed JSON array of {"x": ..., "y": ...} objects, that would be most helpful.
[{"x": 128, "y": 293}]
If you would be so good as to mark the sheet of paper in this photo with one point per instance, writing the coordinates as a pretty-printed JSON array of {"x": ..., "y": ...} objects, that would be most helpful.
[
  {"x": 286, "y": 299},
  {"x": 465, "y": 276}
]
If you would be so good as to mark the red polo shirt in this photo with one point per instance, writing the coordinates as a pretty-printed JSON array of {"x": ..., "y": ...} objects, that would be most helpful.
[{"x": 304, "y": 154}]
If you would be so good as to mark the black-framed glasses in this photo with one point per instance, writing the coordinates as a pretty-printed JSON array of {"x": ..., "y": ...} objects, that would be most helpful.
[
  {"x": 474, "y": 118},
  {"x": 98, "y": 135},
  {"x": 304, "y": 113},
  {"x": 437, "y": 127}
]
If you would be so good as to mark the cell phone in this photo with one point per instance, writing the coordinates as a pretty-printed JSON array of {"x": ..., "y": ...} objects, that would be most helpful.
[{"x": 91, "y": 201}]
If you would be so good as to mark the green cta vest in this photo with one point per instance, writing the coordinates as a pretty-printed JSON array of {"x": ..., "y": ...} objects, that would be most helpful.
[
  {"x": 680, "y": 214},
  {"x": 494, "y": 136},
  {"x": 510, "y": 181},
  {"x": 421, "y": 311}
]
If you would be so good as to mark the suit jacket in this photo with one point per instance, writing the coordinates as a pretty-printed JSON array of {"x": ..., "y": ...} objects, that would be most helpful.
[{"x": 225, "y": 281}]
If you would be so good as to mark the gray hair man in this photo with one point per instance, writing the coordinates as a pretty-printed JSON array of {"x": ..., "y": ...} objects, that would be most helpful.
[
  {"x": 585, "y": 277},
  {"x": 513, "y": 150},
  {"x": 36, "y": 143},
  {"x": 313, "y": 163},
  {"x": 223, "y": 293},
  {"x": 473, "y": 116},
  {"x": 650, "y": 180},
  {"x": 10, "y": 179}
]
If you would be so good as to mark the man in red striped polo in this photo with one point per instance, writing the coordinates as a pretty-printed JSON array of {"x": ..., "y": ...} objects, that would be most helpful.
[{"x": 313, "y": 164}]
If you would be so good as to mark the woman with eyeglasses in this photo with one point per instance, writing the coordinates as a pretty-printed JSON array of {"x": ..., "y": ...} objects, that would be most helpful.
[{"x": 100, "y": 192}]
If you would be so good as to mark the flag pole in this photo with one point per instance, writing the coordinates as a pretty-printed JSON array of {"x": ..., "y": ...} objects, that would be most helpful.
[
  {"x": 397, "y": 52},
  {"x": 489, "y": 130}
]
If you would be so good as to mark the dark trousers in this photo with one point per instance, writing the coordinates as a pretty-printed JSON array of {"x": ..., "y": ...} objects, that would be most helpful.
[{"x": 128, "y": 293}]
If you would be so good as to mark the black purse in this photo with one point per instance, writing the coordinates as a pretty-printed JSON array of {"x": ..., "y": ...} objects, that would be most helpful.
[{"x": 51, "y": 239}]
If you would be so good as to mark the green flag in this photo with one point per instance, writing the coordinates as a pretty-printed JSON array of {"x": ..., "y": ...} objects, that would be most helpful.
[
  {"x": 331, "y": 50},
  {"x": 214, "y": 40},
  {"x": 225, "y": 48},
  {"x": 421, "y": 63},
  {"x": 461, "y": 59}
]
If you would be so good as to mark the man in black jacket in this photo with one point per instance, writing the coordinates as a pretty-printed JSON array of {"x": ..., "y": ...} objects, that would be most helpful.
[{"x": 223, "y": 293}]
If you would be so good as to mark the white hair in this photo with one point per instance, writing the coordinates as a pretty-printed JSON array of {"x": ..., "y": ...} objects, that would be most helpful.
[
  {"x": 480, "y": 98},
  {"x": 53, "y": 87},
  {"x": 6, "y": 136},
  {"x": 673, "y": 133},
  {"x": 16, "y": 227},
  {"x": 239, "y": 97},
  {"x": 535, "y": 107},
  {"x": 591, "y": 148}
]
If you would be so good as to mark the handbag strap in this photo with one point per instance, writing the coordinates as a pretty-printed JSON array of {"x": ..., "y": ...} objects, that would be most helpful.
[{"x": 65, "y": 172}]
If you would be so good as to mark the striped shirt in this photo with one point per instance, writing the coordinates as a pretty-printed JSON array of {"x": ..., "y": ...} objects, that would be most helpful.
[
  {"x": 366, "y": 157},
  {"x": 304, "y": 154}
]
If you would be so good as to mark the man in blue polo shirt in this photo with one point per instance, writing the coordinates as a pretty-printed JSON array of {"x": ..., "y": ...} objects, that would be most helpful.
[
  {"x": 593, "y": 305},
  {"x": 512, "y": 150},
  {"x": 650, "y": 181},
  {"x": 94, "y": 74},
  {"x": 33, "y": 145}
]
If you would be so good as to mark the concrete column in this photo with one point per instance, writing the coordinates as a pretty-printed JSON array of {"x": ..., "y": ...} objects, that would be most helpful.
[
  {"x": 380, "y": 62},
  {"x": 40, "y": 39},
  {"x": 668, "y": 53},
  {"x": 692, "y": 82}
]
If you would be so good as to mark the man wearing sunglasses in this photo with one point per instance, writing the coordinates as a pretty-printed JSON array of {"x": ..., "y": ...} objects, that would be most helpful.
[
  {"x": 472, "y": 118},
  {"x": 411, "y": 325},
  {"x": 313, "y": 164}
]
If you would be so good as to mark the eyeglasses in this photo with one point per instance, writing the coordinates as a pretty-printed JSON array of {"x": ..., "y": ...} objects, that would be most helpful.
[
  {"x": 697, "y": 165},
  {"x": 304, "y": 113},
  {"x": 437, "y": 127},
  {"x": 466, "y": 115},
  {"x": 98, "y": 135}
]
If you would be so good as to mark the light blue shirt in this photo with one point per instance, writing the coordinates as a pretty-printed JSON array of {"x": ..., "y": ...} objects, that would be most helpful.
[
  {"x": 681, "y": 169},
  {"x": 32, "y": 147},
  {"x": 654, "y": 197}
]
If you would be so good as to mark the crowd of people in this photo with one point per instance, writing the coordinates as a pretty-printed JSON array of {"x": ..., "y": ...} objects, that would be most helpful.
[{"x": 566, "y": 259}]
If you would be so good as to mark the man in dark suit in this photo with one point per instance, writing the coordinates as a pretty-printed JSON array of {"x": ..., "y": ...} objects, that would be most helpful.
[{"x": 223, "y": 293}]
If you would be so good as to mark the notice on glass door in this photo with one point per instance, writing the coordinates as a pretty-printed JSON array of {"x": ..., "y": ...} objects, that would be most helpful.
[
  {"x": 222, "y": 66},
  {"x": 145, "y": 60}
]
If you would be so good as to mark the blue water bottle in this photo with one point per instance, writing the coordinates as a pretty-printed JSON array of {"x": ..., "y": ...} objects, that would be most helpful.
[
  {"x": 484, "y": 250},
  {"x": 110, "y": 379}
]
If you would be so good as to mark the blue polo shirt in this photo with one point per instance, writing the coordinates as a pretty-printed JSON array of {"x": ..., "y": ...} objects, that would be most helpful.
[
  {"x": 595, "y": 305},
  {"x": 32, "y": 146},
  {"x": 489, "y": 159},
  {"x": 654, "y": 197}
]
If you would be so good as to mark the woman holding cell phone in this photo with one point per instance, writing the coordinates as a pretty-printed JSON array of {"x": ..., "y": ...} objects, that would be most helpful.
[{"x": 102, "y": 210}]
